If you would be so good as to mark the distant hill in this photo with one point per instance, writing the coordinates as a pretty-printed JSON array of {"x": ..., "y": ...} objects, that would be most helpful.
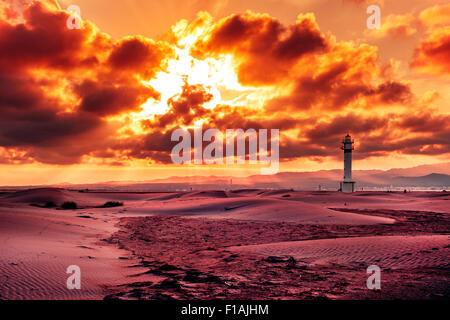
[
  {"x": 424, "y": 176},
  {"x": 433, "y": 179}
]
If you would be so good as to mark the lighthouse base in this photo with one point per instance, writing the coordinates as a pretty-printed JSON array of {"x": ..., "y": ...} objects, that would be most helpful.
[{"x": 347, "y": 186}]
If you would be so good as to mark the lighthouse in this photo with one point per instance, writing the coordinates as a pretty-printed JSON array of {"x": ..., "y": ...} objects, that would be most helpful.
[{"x": 347, "y": 185}]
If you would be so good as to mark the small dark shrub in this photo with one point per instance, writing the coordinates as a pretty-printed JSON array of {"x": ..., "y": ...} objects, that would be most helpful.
[
  {"x": 49, "y": 204},
  {"x": 69, "y": 205},
  {"x": 111, "y": 204}
]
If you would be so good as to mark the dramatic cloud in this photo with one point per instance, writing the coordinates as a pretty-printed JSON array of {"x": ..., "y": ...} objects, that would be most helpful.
[
  {"x": 80, "y": 96},
  {"x": 43, "y": 41},
  {"x": 435, "y": 16},
  {"x": 186, "y": 107},
  {"x": 341, "y": 78},
  {"x": 266, "y": 50},
  {"x": 57, "y": 85},
  {"x": 138, "y": 55},
  {"x": 432, "y": 55},
  {"x": 396, "y": 26},
  {"x": 106, "y": 98}
]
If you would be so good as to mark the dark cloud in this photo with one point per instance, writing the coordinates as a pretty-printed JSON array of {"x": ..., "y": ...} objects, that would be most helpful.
[
  {"x": 424, "y": 122},
  {"x": 58, "y": 86},
  {"x": 43, "y": 40},
  {"x": 110, "y": 98},
  {"x": 184, "y": 108},
  {"x": 431, "y": 56},
  {"x": 266, "y": 49},
  {"x": 140, "y": 55},
  {"x": 335, "y": 89},
  {"x": 392, "y": 92}
]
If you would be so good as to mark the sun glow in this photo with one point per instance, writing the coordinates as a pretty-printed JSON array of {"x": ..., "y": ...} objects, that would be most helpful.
[
  {"x": 213, "y": 74},
  {"x": 216, "y": 75}
]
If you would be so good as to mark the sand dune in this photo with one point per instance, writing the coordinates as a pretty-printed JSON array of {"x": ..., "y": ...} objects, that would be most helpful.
[
  {"x": 39, "y": 244},
  {"x": 58, "y": 196},
  {"x": 395, "y": 252},
  {"x": 424, "y": 201},
  {"x": 207, "y": 194},
  {"x": 252, "y": 208},
  {"x": 39, "y": 196}
]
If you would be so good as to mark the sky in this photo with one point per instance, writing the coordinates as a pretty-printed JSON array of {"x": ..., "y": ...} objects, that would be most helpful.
[{"x": 100, "y": 103}]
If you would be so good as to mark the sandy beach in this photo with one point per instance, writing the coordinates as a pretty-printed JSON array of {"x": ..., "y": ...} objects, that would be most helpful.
[{"x": 240, "y": 244}]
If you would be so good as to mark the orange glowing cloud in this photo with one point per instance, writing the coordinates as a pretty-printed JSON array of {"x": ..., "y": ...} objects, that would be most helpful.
[
  {"x": 259, "y": 41},
  {"x": 396, "y": 26},
  {"x": 435, "y": 16},
  {"x": 432, "y": 54},
  {"x": 80, "y": 96}
]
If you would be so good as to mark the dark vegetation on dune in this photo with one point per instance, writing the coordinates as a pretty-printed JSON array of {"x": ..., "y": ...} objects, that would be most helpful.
[
  {"x": 72, "y": 205},
  {"x": 69, "y": 205},
  {"x": 50, "y": 204},
  {"x": 111, "y": 204}
]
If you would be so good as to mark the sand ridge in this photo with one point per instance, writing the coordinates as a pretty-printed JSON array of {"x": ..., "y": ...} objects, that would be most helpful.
[
  {"x": 422, "y": 251},
  {"x": 37, "y": 246}
]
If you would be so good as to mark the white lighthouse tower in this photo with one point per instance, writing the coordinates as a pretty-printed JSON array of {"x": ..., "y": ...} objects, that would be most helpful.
[{"x": 347, "y": 185}]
